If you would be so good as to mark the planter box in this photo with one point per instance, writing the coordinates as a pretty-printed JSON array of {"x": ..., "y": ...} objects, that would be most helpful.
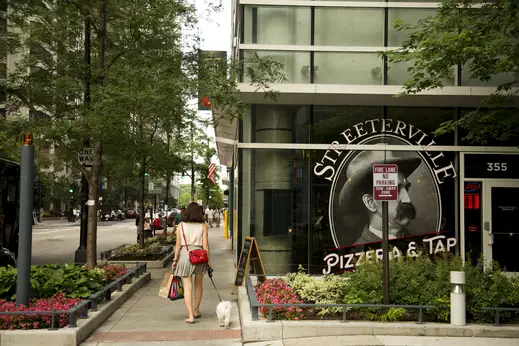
[
  {"x": 256, "y": 331},
  {"x": 158, "y": 264},
  {"x": 74, "y": 336},
  {"x": 111, "y": 255},
  {"x": 153, "y": 261}
]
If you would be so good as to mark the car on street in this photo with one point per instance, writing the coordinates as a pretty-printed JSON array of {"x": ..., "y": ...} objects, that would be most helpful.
[
  {"x": 131, "y": 214},
  {"x": 120, "y": 215}
]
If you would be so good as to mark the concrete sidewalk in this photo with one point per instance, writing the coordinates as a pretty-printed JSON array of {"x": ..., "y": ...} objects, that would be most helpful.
[
  {"x": 389, "y": 340},
  {"x": 147, "y": 319}
]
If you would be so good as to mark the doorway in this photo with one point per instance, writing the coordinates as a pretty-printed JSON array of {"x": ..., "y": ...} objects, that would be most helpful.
[{"x": 500, "y": 223}]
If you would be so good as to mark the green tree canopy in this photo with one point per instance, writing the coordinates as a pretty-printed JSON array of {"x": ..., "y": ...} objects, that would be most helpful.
[{"x": 483, "y": 39}]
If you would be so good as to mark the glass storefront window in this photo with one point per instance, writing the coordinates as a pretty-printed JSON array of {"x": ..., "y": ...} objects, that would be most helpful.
[
  {"x": 274, "y": 206},
  {"x": 349, "y": 27},
  {"x": 296, "y": 65},
  {"x": 348, "y": 68},
  {"x": 277, "y": 25},
  {"x": 328, "y": 119},
  {"x": 485, "y": 138},
  {"x": 300, "y": 216},
  {"x": 408, "y": 16},
  {"x": 303, "y": 205}
]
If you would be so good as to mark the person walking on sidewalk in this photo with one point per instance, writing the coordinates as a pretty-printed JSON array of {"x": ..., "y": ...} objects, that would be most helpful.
[{"x": 192, "y": 230}]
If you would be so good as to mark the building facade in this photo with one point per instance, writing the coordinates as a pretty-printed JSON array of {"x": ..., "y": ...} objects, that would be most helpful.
[{"x": 302, "y": 167}]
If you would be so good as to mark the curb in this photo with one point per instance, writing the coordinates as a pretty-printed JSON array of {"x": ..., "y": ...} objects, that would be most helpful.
[
  {"x": 255, "y": 331},
  {"x": 149, "y": 264},
  {"x": 73, "y": 336}
]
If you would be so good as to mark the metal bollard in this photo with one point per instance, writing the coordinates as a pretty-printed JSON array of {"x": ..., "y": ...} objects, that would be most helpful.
[{"x": 458, "y": 304}]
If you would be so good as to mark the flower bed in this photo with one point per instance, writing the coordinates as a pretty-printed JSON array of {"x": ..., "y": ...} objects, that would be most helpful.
[
  {"x": 276, "y": 291},
  {"x": 56, "y": 302},
  {"x": 53, "y": 287},
  {"x": 421, "y": 281}
]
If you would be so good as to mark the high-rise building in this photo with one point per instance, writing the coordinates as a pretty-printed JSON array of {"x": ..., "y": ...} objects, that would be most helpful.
[{"x": 302, "y": 176}]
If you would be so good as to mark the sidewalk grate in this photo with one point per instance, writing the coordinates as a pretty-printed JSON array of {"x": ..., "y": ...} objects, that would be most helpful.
[{"x": 184, "y": 335}]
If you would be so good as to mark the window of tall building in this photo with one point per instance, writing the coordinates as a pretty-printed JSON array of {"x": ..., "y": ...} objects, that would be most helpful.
[
  {"x": 348, "y": 68},
  {"x": 468, "y": 78},
  {"x": 296, "y": 65},
  {"x": 397, "y": 74},
  {"x": 407, "y": 16},
  {"x": 349, "y": 27},
  {"x": 288, "y": 25}
]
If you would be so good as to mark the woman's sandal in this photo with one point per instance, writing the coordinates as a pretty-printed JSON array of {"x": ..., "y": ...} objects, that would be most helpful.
[
  {"x": 197, "y": 316},
  {"x": 189, "y": 321}
]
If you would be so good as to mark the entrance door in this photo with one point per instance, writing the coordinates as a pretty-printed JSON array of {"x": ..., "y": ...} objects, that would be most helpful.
[{"x": 501, "y": 223}]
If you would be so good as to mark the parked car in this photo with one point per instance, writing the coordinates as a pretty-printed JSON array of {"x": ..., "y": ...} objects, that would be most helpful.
[
  {"x": 120, "y": 215},
  {"x": 108, "y": 215},
  {"x": 131, "y": 214}
]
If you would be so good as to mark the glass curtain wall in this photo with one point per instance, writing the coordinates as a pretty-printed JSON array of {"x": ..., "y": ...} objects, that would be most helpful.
[{"x": 349, "y": 40}]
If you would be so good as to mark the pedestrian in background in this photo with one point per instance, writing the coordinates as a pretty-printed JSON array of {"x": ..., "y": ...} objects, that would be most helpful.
[{"x": 137, "y": 221}]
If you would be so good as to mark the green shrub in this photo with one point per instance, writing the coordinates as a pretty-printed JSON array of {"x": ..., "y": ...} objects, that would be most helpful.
[
  {"x": 413, "y": 281},
  {"x": 49, "y": 279},
  {"x": 329, "y": 290},
  {"x": 135, "y": 249},
  {"x": 490, "y": 288},
  {"x": 426, "y": 281}
]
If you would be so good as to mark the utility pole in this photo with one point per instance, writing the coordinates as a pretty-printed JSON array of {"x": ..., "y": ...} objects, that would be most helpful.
[
  {"x": 23, "y": 283},
  {"x": 80, "y": 256}
]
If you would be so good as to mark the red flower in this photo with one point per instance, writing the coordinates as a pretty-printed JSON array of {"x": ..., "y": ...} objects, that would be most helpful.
[{"x": 57, "y": 302}]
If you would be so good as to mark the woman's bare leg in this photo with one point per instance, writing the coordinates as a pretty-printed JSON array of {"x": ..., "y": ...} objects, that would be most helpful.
[
  {"x": 188, "y": 296},
  {"x": 199, "y": 291}
]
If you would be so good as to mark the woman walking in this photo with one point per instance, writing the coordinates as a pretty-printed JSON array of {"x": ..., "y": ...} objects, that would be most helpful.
[{"x": 192, "y": 231}]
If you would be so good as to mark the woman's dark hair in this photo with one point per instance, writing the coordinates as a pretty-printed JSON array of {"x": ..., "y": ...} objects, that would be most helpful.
[{"x": 193, "y": 213}]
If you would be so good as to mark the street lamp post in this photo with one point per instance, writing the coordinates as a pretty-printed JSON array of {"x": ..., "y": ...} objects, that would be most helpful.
[{"x": 23, "y": 283}]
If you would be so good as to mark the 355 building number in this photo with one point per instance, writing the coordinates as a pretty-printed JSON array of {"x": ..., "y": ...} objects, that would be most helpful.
[{"x": 497, "y": 166}]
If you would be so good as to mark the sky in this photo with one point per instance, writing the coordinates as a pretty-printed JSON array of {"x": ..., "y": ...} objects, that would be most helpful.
[{"x": 215, "y": 31}]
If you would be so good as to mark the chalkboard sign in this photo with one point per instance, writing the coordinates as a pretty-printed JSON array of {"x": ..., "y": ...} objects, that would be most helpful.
[{"x": 249, "y": 252}]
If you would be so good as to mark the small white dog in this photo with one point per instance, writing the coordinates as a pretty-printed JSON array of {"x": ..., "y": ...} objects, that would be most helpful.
[{"x": 223, "y": 311}]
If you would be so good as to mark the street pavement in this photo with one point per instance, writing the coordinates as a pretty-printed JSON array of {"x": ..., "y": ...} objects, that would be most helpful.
[{"x": 56, "y": 241}]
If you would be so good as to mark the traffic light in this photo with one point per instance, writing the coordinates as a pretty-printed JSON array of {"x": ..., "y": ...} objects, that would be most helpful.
[{"x": 70, "y": 190}]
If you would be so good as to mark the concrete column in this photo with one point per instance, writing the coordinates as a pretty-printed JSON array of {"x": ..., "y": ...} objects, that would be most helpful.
[{"x": 272, "y": 172}]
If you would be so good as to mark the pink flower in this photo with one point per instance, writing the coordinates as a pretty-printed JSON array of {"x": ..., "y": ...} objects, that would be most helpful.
[{"x": 55, "y": 302}]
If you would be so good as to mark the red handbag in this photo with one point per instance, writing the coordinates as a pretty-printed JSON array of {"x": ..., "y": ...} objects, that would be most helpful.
[{"x": 198, "y": 256}]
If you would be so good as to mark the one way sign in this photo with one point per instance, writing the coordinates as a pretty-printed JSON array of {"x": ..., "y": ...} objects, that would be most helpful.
[{"x": 85, "y": 156}]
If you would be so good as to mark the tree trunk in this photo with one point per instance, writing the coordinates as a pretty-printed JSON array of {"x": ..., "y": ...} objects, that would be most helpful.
[
  {"x": 166, "y": 194},
  {"x": 93, "y": 197},
  {"x": 141, "y": 202}
]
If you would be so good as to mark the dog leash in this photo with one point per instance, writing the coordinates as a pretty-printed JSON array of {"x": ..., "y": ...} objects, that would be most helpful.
[{"x": 210, "y": 273}]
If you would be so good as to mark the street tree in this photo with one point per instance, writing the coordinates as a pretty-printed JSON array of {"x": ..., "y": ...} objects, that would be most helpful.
[
  {"x": 481, "y": 38},
  {"x": 98, "y": 72}
]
